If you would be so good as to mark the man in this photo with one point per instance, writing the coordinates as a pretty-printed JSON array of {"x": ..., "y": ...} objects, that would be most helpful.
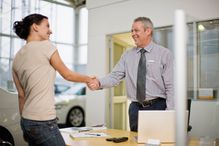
[{"x": 147, "y": 70}]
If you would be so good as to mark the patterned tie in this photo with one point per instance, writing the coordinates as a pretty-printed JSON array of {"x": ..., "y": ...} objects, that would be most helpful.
[{"x": 141, "y": 77}]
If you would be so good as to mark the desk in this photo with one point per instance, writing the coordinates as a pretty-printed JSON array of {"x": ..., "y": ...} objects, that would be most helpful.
[{"x": 113, "y": 133}]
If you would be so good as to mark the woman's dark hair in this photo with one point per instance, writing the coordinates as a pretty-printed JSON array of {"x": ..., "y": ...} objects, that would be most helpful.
[{"x": 22, "y": 28}]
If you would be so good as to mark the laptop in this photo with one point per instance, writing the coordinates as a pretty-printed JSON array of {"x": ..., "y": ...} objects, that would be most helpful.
[{"x": 156, "y": 124}]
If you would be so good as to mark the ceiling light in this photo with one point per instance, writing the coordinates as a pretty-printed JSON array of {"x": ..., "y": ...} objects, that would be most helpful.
[{"x": 201, "y": 27}]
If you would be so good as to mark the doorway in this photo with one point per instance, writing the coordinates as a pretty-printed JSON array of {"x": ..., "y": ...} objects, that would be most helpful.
[{"x": 118, "y": 103}]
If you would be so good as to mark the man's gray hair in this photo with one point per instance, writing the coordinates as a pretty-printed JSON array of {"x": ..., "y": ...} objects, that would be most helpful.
[{"x": 146, "y": 21}]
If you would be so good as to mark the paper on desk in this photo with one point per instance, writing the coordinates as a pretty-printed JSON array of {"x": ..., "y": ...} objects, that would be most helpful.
[
  {"x": 67, "y": 131},
  {"x": 73, "y": 130},
  {"x": 89, "y": 134},
  {"x": 99, "y": 128}
]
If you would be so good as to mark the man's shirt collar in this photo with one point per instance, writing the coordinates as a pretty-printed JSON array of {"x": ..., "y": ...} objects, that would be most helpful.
[{"x": 148, "y": 48}]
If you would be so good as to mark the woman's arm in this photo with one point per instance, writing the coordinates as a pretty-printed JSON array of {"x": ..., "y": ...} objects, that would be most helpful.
[
  {"x": 66, "y": 73},
  {"x": 21, "y": 94}
]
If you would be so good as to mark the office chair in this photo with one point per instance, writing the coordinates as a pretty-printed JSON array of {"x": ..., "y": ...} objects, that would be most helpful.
[{"x": 189, "y": 128}]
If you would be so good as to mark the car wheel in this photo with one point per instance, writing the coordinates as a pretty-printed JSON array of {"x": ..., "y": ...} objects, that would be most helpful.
[
  {"x": 75, "y": 117},
  {"x": 6, "y": 139}
]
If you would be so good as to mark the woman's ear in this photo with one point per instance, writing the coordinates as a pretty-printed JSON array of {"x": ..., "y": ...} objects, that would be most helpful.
[{"x": 35, "y": 27}]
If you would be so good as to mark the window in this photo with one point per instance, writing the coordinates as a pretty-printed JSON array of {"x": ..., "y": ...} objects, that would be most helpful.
[
  {"x": 204, "y": 60},
  {"x": 66, "y": 53},
  {"x": 208, "y": 45},
  {"x": 82, "y": 41},
  {"x": 164, "y": 37},
  {"x": 63, "y": 30},
  {"x": 6, "y": 16},
  {"x": 191, "y": 53}
]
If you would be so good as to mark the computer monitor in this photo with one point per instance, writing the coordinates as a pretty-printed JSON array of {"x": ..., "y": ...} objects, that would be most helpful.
[{"x": 156, "y": 124}]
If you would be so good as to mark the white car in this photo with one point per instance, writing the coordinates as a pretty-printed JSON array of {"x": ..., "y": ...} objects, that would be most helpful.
[
  {"x": 70, "y": 104},
  {"x": 70, "y": 107},
  {"x": 10, "y": 130}
]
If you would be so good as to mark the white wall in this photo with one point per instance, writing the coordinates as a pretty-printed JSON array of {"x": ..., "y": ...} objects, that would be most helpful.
[{"x": 115, "y": 16}]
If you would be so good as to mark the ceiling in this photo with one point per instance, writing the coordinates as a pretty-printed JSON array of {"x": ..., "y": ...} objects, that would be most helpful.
[
  {"x": 77, "y": 3},
  {"x": 71, "y": 3}
]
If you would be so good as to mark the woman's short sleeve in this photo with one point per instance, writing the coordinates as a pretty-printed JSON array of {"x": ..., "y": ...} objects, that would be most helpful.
[{"x": 49, "y": 49}]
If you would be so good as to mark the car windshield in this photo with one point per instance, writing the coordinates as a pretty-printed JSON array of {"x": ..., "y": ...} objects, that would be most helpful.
[{"x": 77, "y": 89}]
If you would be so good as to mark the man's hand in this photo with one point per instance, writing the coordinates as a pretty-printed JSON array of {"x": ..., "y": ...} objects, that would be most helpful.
[{"x": 94, "y": 84}]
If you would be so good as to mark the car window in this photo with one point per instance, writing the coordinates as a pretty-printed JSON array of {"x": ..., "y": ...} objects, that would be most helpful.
[
  {"x": 81, "y": 91},
  {"x": 76, "y": 89},
  {"x": 61, "y": 88}
]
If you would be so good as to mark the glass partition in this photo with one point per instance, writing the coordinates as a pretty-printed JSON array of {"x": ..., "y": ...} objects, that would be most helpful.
[{"x": 208, "y": 45}]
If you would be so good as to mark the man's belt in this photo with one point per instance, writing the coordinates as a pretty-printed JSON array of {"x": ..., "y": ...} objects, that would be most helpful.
[{"x": 148, "y": 103}]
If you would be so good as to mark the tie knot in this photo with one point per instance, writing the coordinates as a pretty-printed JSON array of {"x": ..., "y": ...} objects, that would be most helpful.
[{"x": 142, "y": 51}]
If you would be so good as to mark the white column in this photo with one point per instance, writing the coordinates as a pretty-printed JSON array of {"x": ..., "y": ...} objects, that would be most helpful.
[{"x": 180, "y": 77}]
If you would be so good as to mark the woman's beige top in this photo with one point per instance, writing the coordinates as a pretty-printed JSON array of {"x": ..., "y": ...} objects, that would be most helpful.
[{"x": 37, "y": 77}]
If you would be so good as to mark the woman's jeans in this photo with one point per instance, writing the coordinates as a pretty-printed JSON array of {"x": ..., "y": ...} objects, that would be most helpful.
[{"x": 42, "y": 133}]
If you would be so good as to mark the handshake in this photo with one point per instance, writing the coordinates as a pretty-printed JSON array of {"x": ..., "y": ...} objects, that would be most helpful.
[{"x": 93, "y": 83}]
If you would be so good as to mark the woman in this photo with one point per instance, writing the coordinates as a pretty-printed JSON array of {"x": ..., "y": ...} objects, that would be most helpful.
[{"x": 34, "y": 69}]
